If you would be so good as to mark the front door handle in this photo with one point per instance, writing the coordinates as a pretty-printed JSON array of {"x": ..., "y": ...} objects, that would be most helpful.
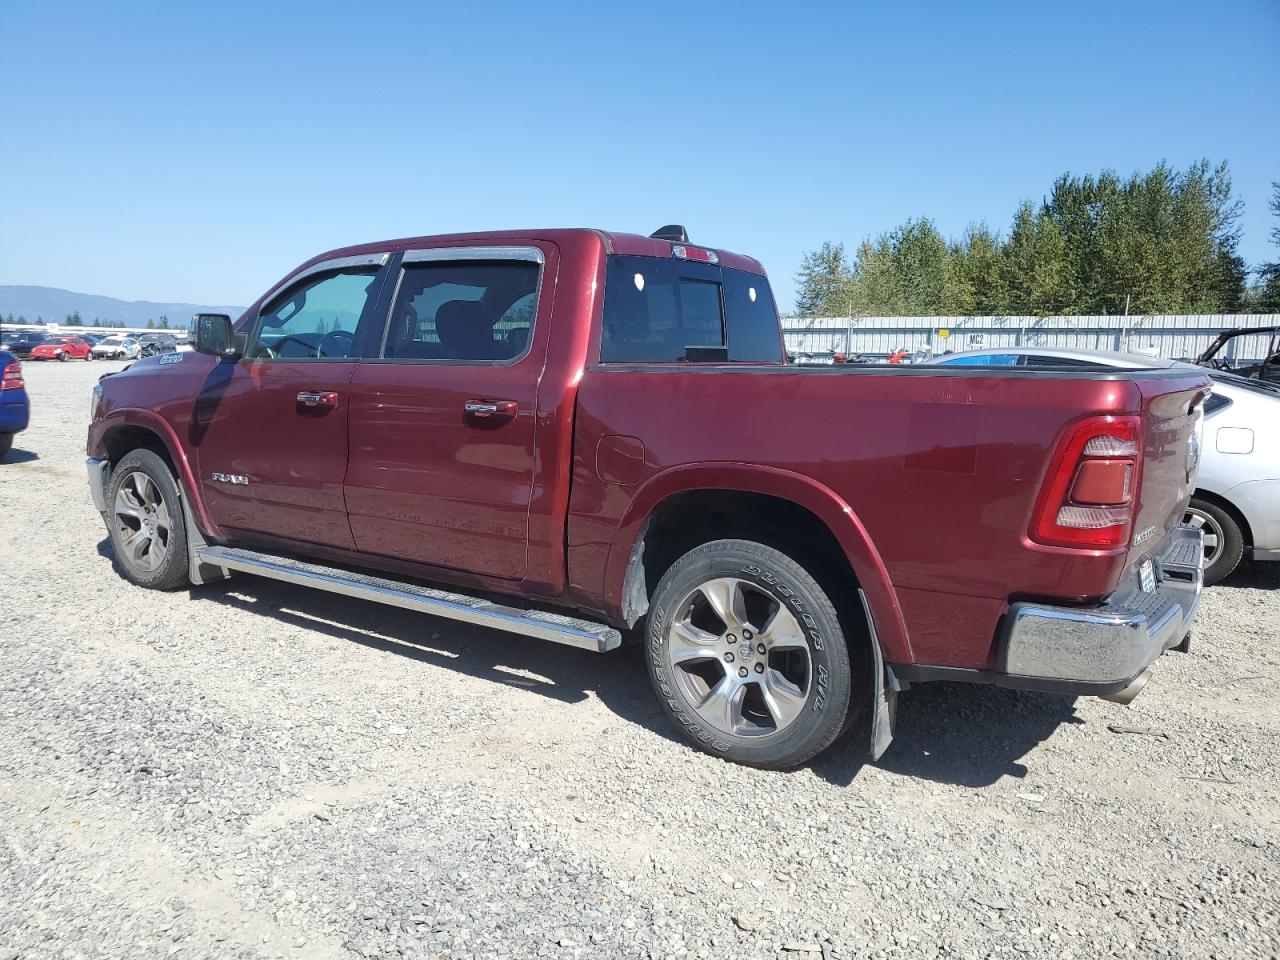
[
  {"x": 318, "y": 399},
  {"x": 491, "y": 408}
]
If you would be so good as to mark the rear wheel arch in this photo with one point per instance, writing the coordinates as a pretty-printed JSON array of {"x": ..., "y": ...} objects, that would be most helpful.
[{"x": 674, "y": 513}]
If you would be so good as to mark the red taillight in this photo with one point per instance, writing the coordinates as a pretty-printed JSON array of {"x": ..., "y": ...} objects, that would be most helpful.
[
  {"x": 1088, "y": 495},
  {"x": 11, "y": 378}
]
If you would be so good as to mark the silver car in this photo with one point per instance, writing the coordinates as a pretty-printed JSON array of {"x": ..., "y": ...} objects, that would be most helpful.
[{"x": 1237, "y": 497}]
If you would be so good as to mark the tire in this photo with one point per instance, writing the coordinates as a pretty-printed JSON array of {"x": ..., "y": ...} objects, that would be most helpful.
[
  {"x": 1224, "y": 540},
  {"x": 793, "y": 701},
  {"x": 145, "y": 522},
  {"x": 6, "y": 444},
  {"x": 61, "y": 357}
]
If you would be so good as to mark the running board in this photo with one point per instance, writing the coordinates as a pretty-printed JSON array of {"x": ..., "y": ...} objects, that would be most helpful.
[{"x": 557, "y": 628}]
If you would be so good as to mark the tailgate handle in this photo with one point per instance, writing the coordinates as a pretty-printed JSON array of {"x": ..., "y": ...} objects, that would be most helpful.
[
  {"x": 318, "y": 399},
  {"x": 491, "y": 408}
]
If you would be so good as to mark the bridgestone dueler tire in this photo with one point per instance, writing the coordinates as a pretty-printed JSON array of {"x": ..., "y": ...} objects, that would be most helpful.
[
  {"x": 172, "y": 572},
  {"x": 822, "y": 719}
]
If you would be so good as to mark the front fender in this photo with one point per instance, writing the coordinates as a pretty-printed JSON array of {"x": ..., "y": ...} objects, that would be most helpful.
[
  {"x": 803, "y": 491},
  {"x": 138, "y": 417}
]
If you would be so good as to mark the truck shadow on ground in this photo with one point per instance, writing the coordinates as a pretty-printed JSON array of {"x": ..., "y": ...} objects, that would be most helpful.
[
  {"x": 951, "y": 733},
  {"x": 964, "y": 734}
]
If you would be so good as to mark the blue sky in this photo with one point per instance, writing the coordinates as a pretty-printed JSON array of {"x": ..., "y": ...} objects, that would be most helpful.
[{"x": 171, "y": 152}]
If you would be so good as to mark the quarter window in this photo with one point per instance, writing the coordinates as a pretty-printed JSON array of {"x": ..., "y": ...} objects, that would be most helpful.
[{"x": 478, "y": 311}]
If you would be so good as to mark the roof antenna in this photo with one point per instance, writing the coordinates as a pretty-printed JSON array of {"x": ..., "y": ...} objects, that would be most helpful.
[{"x": 672, "y": 231}]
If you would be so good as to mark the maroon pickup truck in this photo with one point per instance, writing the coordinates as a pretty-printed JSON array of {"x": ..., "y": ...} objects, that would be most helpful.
[{"x": 580, "y": 436}]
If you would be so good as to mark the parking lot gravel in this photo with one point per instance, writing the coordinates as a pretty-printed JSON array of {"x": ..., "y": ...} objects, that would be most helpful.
[{"x": 251, "y": 769}]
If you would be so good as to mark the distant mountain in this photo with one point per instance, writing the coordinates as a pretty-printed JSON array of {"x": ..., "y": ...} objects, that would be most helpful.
[{"x": 52, "y": 304}]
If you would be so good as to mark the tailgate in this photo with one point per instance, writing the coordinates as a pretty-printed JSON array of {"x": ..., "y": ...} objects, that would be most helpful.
[{"x": 1172, "y": 416}]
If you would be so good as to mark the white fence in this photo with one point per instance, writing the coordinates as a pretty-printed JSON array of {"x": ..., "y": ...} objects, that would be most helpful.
[{"x": 1165, "y": 335}]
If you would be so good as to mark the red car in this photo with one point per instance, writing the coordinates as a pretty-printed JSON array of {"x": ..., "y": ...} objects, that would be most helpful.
[
  {"x": 578, "y": 435},
  {"x": 63, "y": 348}
]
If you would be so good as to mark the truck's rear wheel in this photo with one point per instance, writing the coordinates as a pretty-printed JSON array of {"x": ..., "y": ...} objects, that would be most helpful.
[
  {"x": 145, "y": 522},
  {"x": 747, "y": 656}
]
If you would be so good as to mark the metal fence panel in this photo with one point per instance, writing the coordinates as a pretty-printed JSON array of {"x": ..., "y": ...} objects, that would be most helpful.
[{"x": 1171, "y": 336}]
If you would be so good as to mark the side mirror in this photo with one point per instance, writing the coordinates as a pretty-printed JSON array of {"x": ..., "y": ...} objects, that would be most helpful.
[{"x": 211, "y": 333}]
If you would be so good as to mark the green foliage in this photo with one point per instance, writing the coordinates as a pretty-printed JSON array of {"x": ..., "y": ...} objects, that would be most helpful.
[
  {"x": 151, "y": 324},
  {"x": 1267, "y": 291},
  {"x": 824, "y": 282},
  {"x": 73, "y": 319},
  {"x": 1164, "y": 241}
]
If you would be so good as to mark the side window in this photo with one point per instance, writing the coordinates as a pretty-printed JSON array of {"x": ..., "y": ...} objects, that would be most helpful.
[
  {"x": 464, "y": 310},
  {"x": 751, "y": 318},
  {"x": 654, "y": 309},
  {"x": 315, "y": 320},
  {"x": 1039, "y": 360}
]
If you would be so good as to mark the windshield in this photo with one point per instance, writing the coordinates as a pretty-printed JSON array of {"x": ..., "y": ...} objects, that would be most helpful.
[
  {"x": 111, "y": 342},
  {"x": 1247, "y": 350}
]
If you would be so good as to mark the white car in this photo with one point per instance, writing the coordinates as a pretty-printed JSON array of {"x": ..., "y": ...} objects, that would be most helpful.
[
  {"x": 117, "y": 348},
  {"x": 1237, "y": 497}
]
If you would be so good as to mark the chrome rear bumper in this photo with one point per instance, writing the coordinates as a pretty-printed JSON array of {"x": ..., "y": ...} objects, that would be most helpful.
[{"x": 1106, "y": 649}]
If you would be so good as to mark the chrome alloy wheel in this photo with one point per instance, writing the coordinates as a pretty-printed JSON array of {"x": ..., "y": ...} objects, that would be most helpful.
[
  {"x": 740, "y": 657},
  {"x": 1213, "y": 534},
  {"x": 143, "y": 522}
]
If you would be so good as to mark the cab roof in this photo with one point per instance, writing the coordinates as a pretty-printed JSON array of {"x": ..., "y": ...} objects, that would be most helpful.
[{"x": 632, "y": 244}]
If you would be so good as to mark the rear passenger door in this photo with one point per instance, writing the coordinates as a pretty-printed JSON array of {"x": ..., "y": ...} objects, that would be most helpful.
[{"x": 444, "y": 419}]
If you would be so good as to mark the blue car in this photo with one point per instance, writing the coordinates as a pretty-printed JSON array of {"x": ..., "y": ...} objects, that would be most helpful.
[{"x": 15, "y": 408}]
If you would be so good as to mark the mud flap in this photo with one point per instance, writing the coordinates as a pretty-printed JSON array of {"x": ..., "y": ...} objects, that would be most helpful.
[
  {"x": 198, "y": 572},
  {"x": 884, "y": 703}
]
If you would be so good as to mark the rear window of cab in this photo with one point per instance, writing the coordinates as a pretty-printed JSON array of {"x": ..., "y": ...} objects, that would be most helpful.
[{"x": 670, "y": 311}]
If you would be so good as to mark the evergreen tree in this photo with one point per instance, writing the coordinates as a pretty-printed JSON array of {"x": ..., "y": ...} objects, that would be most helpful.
[
  {"x": 824, "y": 282},
  {"x": 1163, "y": 241},
  {"x": 1268, "y": 295}
]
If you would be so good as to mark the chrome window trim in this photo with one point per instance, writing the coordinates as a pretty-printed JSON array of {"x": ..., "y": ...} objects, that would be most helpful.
[{"x": 510, "y": 252}]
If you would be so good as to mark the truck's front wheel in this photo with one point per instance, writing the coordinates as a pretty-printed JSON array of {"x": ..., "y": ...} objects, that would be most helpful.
[
  {"x": 145, "y": 522},
  {"x": 747, "y": 656}
]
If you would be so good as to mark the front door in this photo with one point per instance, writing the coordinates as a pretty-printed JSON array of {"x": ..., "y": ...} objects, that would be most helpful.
[
  {"x": 443, "y": 422},
  {"x": 270, "y": 429}
]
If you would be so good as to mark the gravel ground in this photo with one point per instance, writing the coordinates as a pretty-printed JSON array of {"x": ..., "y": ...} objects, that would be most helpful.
[{"x": 251, "y": 769}]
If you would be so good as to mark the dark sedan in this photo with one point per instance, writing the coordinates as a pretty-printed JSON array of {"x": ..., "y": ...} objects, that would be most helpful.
[{"x": 21, "y": 343}]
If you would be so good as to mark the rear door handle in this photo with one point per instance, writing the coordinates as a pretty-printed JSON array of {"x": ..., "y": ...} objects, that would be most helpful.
[
  {"x": 318, "y": 399},
  {"x": 491, "y": 408}
]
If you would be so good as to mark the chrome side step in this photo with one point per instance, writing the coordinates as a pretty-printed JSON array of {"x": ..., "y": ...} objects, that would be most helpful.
[{"x": 555, "y": 627}]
